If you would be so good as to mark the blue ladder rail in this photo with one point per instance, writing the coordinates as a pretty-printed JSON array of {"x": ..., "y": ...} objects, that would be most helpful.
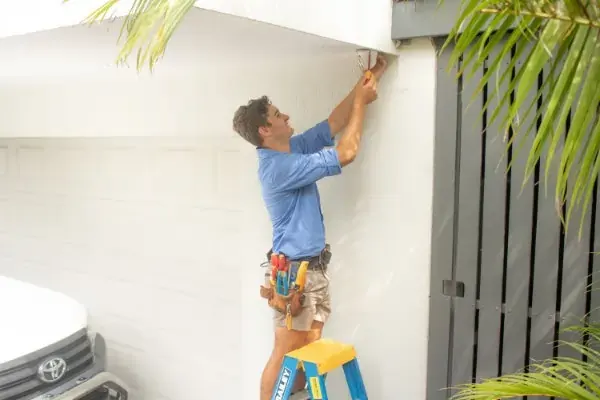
[{"x": 317, "y": 359}]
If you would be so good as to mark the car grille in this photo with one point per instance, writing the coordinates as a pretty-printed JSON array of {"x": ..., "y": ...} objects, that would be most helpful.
[{"x": 19, "y": 378}]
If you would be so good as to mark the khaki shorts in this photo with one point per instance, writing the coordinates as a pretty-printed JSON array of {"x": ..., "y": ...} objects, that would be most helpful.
[{"x": 317, "y": 303}]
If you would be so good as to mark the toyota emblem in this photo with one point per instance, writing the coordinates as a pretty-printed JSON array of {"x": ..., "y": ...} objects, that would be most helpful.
[{"x": 52, "y": 370}]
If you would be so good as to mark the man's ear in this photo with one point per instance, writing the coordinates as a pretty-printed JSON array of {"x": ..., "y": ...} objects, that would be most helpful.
[{"x": 263, "y": 131}]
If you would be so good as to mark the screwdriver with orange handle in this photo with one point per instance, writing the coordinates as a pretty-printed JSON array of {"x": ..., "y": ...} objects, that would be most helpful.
[
  {"x": 274, "y": 268},
  {"x": 282, "y": 270}
]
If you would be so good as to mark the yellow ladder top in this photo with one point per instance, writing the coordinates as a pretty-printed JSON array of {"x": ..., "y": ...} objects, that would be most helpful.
[{"x": 327, "y": 354}]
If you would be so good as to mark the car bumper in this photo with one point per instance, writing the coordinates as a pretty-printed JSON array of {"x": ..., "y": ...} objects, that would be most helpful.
[
  {"x": 90, "y": 380},
  {"x": 115, "y": 388}
]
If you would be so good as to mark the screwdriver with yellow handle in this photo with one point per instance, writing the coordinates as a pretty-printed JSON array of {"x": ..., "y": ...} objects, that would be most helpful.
[{"x": 300, "y": 280}]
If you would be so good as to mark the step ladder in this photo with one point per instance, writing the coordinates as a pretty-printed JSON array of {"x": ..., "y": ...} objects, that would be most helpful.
[{"x": 317, "y": 359}]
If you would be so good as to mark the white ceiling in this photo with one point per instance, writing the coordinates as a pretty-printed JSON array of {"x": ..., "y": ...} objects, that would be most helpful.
[{"x": 221, "y": 38}]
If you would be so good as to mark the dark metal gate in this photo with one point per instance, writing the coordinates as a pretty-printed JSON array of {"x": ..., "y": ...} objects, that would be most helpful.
[{"x": 505, "y": 278}]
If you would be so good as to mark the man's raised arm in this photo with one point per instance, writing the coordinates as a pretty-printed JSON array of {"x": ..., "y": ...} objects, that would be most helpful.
[
  {"x": 349, "y": 143},
  {"x": 341, "y": 114},
  {"x": 297, "y": 170}
]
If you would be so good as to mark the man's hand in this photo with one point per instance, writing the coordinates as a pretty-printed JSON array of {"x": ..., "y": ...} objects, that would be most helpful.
[
  {"x": 366, "y": 90},
  {"x": 380, "y": 66},
  {"x": 340, "y": 116},
  {"x": 376, "y": 73}
]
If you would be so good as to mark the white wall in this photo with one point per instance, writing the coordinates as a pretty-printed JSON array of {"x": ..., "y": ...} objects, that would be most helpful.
[{"x": 137, "y": 208}]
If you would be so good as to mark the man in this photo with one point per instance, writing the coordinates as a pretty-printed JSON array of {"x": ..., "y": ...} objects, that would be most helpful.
[{"x": 289, "y": 168}]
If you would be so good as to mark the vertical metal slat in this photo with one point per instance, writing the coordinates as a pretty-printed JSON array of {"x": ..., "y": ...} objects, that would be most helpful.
[
  {"x": 593, "y": 308},
  {"x": 492, "y": 246},
  {"x": 467, "y": 233},
  {"x": 574, "y": 273},
  {"x": 519, "y": 248},
  {"x": 442, "y": 229},
  {"x": 546, "y": 263}
]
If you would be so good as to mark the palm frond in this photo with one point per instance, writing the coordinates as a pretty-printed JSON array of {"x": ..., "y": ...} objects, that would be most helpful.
[
  {"x": 149, "y": 26},
  {"x": 560, "y": 378},
  {"x": 560, "y": 36}
]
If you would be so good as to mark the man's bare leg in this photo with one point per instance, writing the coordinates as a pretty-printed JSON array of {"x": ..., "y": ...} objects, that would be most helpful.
[
  {"x": 285, "y": 341},
  {"x": 314, "y": 334}
]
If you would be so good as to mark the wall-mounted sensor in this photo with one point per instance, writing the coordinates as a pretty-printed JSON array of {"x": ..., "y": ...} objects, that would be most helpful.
[{"x": 366, "y": 58}]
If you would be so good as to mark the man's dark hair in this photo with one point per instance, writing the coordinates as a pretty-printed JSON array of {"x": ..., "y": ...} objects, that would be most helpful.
[{"x": 248, "y": 118}]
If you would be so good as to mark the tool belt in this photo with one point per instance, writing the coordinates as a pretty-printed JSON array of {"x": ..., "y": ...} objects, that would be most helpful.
[{"x": 287, "y": 279}]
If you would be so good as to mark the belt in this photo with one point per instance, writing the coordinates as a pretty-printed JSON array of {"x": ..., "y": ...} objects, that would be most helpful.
[
  {"x": 314, "y": 263},
  {"x": 319, "y": 262}
]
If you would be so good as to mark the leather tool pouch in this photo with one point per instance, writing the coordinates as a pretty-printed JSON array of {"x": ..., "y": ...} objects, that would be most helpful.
[
  {"x": 290, "y": 304},
  {"x": 295, "y": 300}
]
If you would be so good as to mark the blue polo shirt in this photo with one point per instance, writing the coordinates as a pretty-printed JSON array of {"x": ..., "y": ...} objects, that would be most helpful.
[{"x": 290, "y": 192}]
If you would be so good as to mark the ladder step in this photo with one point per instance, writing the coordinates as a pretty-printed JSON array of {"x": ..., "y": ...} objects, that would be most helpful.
[
  {"x": 326, "y": 354},
  {"x": 316, "y": 360}
]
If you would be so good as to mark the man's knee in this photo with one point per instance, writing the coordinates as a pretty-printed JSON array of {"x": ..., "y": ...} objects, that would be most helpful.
[{"x": 288, "y": 340}]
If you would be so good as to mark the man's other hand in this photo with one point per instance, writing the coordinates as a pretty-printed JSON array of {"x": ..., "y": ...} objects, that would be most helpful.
[
  {"x": 380, "y": 66},
  {"x": 377, "y": 72},
  {"x": 366, "y": 91}
]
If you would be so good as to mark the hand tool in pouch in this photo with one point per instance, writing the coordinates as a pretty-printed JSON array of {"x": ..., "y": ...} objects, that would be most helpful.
[{"x": 284, "y": 291}]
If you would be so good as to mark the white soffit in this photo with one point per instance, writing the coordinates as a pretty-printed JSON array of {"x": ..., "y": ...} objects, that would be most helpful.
[
  {"x": 204, "y": 37},
  {"x": 27, "y": 16},
  {"x": 365, "y": 23}
]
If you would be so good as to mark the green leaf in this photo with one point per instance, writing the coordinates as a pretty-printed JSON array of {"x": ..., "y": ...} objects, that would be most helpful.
[
  {"x": 572, "y": 70},
  {"x": 538, "y": 59},
  {"x": 487, "y": 32},
  {"x": 515, "y": 36},
  {"x": 585, "y": 113},
  {"x": 149, "y": 26}
]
